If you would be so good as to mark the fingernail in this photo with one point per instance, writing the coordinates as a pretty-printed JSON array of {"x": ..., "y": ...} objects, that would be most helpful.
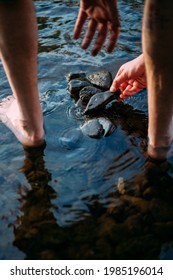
[
  {"x": 112, "y": 89},
  {"x": 83, "y": 46}
]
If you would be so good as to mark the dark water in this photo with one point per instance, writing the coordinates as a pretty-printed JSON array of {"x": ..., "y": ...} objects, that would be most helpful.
[{"x": 62, "y": 202}]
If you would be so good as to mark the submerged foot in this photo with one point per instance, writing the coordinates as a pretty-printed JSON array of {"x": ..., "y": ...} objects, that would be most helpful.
[{"x": 25, "y": 132}]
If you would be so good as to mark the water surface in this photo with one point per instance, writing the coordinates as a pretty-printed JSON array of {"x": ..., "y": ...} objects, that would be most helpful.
[{"x": 62, "y": 202}]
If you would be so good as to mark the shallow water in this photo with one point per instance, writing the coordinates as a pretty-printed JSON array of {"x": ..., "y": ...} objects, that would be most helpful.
[{"x": 64, "y": 201}]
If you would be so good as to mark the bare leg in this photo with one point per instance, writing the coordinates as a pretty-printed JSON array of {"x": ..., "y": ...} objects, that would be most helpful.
[
  {"x": 158, "y": 56},
  {"x": 18, "y": 50}
]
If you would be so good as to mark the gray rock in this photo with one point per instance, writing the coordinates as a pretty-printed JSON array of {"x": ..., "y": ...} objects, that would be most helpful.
[
  {"x": 72, "y": 76},
  {"x": 92, "y": 128},
  {"x": 86, "y": 93},
  {"x": 74, "y": 87},
  {"x": 99, "y": 100},
  {"x": 101, "y": 79},
  {"x": 107, "y": 125},
  {"x": 98, "y": 127}
]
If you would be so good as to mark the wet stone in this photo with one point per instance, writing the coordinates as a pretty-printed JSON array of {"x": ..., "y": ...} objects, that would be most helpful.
[
  {"x": 72, "y": 76},
  {"x": 80, "y": 104},
  {"x": 107, "y": 125},
  {"x": 97, "y": 128},
  {"x": 98, "y": 101},
  {"x": 74, "y": 87},
  {"x": 91, "y": 94},
  {"x": 121, "y": 185},
  {"x": 92, "y": 128},
  {"x": 86, "y": 93},
  {"x": 101, "y": 79}
]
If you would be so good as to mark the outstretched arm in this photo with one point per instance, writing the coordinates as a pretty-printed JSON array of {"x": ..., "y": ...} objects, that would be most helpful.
[
  {"x": 130, "y": 78},
  {"x": 103, "y": 19}
]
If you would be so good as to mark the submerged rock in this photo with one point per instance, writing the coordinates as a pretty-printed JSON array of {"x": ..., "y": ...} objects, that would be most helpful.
[
  {"x": 97, "y": 128},
  {"x": 107, "y": 125},
  {"x": 92, "y": 128},
  {"x": 99, "y": 100},
  {"x": 101, "y": 79},
  {"x": 121, "y": 185}
]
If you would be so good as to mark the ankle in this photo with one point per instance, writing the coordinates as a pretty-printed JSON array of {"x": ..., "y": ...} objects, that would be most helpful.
[
  {"x": 158, "y": 153},
  {"x": 159, "y": 147},
  {"x": 34, "y": 134}
]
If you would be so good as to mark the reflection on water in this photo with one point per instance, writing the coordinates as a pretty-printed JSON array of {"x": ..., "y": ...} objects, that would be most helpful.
[
  {"x": 63, "y": 201},
  {"x": 111, "y": 225}
]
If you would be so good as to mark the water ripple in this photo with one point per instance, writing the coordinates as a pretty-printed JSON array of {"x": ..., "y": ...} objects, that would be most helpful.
[{"x": 75, "y": 112}]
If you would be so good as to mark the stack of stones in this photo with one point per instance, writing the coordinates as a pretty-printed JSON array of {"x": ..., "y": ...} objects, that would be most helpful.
[{"x": 91, "y": 93}]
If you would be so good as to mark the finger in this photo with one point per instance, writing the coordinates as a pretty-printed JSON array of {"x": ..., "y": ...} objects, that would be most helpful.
[
  {"x": 112, "y": 40},
  {"x": 129, "y": 89},
  {"x": 113, "y": 14},
  {"x": 130, "y": 92},
  {"x": 92, "y": 25},
  {"x": 114, "y": 26},
  {"x": 102, "y": 34},
  {"x": 123, "y": 96},
  {"x": 82, "y": 16},
  {"x": 136, "y": 88},
  {"x": 118, "y": 81},
  {"x": 131, "y": 82},
  {"x": 139, "y": 84},
  {"x": 123, "y": 86},
  {"x": 127, "y": 94}
]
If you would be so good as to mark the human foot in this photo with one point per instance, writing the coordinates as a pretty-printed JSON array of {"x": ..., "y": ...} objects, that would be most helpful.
[
  {"x": 26, "y": 133},
  {"x": 160, "y": 144}
]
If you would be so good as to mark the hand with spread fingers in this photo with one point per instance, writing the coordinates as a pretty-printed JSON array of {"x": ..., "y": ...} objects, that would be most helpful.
[
  {"x": 103, "y": 19},
  {"x": 131, "y": 78}
]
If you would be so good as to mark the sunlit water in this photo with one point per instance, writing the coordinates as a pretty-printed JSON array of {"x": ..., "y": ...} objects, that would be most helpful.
[{"x": 64, "y": 202}]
